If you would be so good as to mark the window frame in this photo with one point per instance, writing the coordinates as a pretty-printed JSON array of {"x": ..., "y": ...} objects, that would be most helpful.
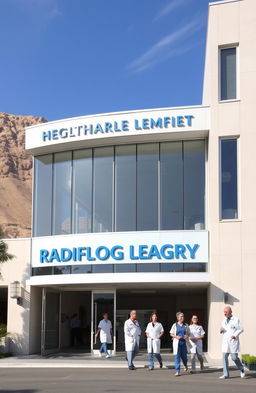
[
  {"x": 220, "y": 48},
  {"x": 238, "y": 218}
]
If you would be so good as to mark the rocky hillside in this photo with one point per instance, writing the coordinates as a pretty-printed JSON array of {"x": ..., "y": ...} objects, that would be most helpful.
[{"x": 15, "y": 175}]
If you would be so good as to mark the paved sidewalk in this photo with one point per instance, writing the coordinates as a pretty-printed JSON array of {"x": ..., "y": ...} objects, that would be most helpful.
[{"x": 87, "y": 360}]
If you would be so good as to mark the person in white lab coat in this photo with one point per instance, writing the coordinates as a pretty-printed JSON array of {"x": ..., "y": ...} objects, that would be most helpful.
[
  {"x": 132, "y": 333},
  {"x": 231, "y": 330},
  {"x": 154, "y": 332},
  {"x": 196, "y": 340},
  {"x": 106, "y": 332},
  {"x": 180, "y": 333}
]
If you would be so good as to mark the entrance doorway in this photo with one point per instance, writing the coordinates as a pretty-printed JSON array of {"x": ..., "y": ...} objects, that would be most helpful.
[
  {"x": 66, "y": 321},
  {"x": 61, "y": 305},
  {"x": 166, "y": 302},
  {"x": 70, "y": 319}
]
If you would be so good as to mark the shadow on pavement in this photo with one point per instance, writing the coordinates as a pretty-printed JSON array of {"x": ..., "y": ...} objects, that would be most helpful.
[{"x": 19, "y": 391}]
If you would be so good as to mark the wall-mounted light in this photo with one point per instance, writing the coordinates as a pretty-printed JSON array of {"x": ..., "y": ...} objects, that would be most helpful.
[{"x": 15, "y": 291}]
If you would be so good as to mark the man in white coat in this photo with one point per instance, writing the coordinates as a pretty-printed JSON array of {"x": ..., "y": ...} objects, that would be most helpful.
[
  {"x": 231, "y": 330},
  {"x": 106, "y": 333},
  {"x": 132, "y": 333}
]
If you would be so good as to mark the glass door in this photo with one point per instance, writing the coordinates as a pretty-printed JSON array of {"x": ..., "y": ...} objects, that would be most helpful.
[
  {"x": 51, "y": 313},
  {"x": 104, "y": 301}
]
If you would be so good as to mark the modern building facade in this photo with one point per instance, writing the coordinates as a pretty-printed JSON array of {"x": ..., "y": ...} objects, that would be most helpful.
[{"x": 149, "y": 209}]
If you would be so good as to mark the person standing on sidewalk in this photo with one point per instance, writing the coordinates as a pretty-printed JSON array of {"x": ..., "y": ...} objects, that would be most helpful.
[
  {"x": 106, "y": 332},
  {"x": 132, "y": 333},
  {"x": 154, "y": 332},
  {"x": 196, "y": 340},
  {"x": 231, "y": 330},
  {"x": 180, "y": 333}
]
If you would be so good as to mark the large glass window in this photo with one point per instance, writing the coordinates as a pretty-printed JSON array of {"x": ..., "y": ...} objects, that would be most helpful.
[
  {"x": 82, "y": 191},
  {"x": 228, "y": 178},
  {"x": 228, "y": 73},
  {"x": 194, "y": 184},
  {"x": 125, "y": 188},
  {"x": 103, "y": 189},
  {"x": 147, "y": 186},
  {"x": 171, "y": 185},
  {"x": 42, "y": 209},
  {"x": 140, "y": 187},
  {"x": 62, "y": 193}
]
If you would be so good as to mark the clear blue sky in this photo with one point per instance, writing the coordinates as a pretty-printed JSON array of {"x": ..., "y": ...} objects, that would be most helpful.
[{"x": 65, "y": 58}]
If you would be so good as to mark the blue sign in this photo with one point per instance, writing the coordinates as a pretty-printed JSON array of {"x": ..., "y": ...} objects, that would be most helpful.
[
  {"x": 142, "y": 252},
  {"x": 118, "y": 126}
]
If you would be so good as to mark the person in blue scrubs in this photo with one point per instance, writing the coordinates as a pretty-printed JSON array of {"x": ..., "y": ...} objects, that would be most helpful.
[{"x": 180, "y": 335}]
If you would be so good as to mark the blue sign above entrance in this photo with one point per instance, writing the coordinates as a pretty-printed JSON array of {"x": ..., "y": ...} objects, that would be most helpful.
[
  {"x": 121, "y": 247},
  {"x": 117, "y": 252}
]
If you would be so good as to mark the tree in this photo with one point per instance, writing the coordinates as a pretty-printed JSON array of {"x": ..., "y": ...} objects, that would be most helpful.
[{"x": 4, "y": 255}]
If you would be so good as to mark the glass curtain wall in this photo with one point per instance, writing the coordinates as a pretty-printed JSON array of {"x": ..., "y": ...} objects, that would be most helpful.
[
  {"x": 103, "y": 165},
  {"x": 142, "y": 187},
  {"x": 82, "y": 191},
  {"x": 61, "y": 207},
  {"x": 171, "y": 185},
  {"x": 147, "y": 186},
  {"x": 42, "y": 207},
  {"x": 125, "y": 188}
]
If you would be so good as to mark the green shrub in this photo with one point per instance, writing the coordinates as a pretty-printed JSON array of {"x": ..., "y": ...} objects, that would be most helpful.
[
  {"x": 3, "y": 330},
  {"x": 249, "y": 359}
]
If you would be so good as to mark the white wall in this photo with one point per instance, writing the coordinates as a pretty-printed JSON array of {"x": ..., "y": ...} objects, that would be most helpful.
[{"x": 232, "y": 243}]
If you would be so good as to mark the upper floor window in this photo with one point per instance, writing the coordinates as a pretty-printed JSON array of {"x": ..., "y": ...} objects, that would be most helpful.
[
  {"x": 149, "y": 186},
  {"x": 228, "y": 162},
  {"x": 228, "y": 73}
]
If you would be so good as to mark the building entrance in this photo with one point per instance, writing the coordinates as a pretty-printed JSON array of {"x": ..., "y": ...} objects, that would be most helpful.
[
  {"x": 70, "y": 317},
  {"x": 66, "y": 320},
  {"x": 166, "y": 302}
]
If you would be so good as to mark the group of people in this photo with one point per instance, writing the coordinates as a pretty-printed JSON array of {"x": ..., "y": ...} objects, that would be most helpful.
[{"x": 186, "y": 339}]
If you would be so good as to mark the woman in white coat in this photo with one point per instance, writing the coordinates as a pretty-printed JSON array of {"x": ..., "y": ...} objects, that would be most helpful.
[
  {"x": 180, "y": 333},
  {"x": 154, "y": 332},
  {"x": 132, "y": 333},
  {"x": 196, "y": 340}
]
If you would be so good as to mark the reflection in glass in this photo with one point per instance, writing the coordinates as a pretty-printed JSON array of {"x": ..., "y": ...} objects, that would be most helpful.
[
  {"x": 42, "y": 271},
  {"x": 42, "y": 208},
  {"x": 81, "y": 269},
  {"x": 148, "y": 267},
  {"x": 125, "y": 188},
  {"x": 62, "y": 193},
  {"x": 171, "y": 267},
  {"x": 171, "y": 185},
  {"x": 194, "y": 184},
  {"x": 101, "y": 268},
  {"x": 195, "y": 267},
  {"x": 62, "y": 269},
  {"x": 82, "y": 191},
  {"x": 103, "y": 189},
  {"x": 228, "y": 178},
  {"x": 125, "y": 267},
  {"x": 147, "y": 186}
]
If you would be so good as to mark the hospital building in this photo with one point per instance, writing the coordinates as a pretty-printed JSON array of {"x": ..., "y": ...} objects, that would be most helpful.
[{"x": 149, "y": 209}]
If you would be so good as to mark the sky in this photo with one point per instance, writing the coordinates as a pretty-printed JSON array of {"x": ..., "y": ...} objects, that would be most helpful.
[{"x": 66, "y": 58}]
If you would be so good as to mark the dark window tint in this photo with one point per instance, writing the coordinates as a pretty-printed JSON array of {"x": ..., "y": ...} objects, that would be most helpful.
[
  {"x": 229, "y": 178},
  {"x": 228, "y": 73}
]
